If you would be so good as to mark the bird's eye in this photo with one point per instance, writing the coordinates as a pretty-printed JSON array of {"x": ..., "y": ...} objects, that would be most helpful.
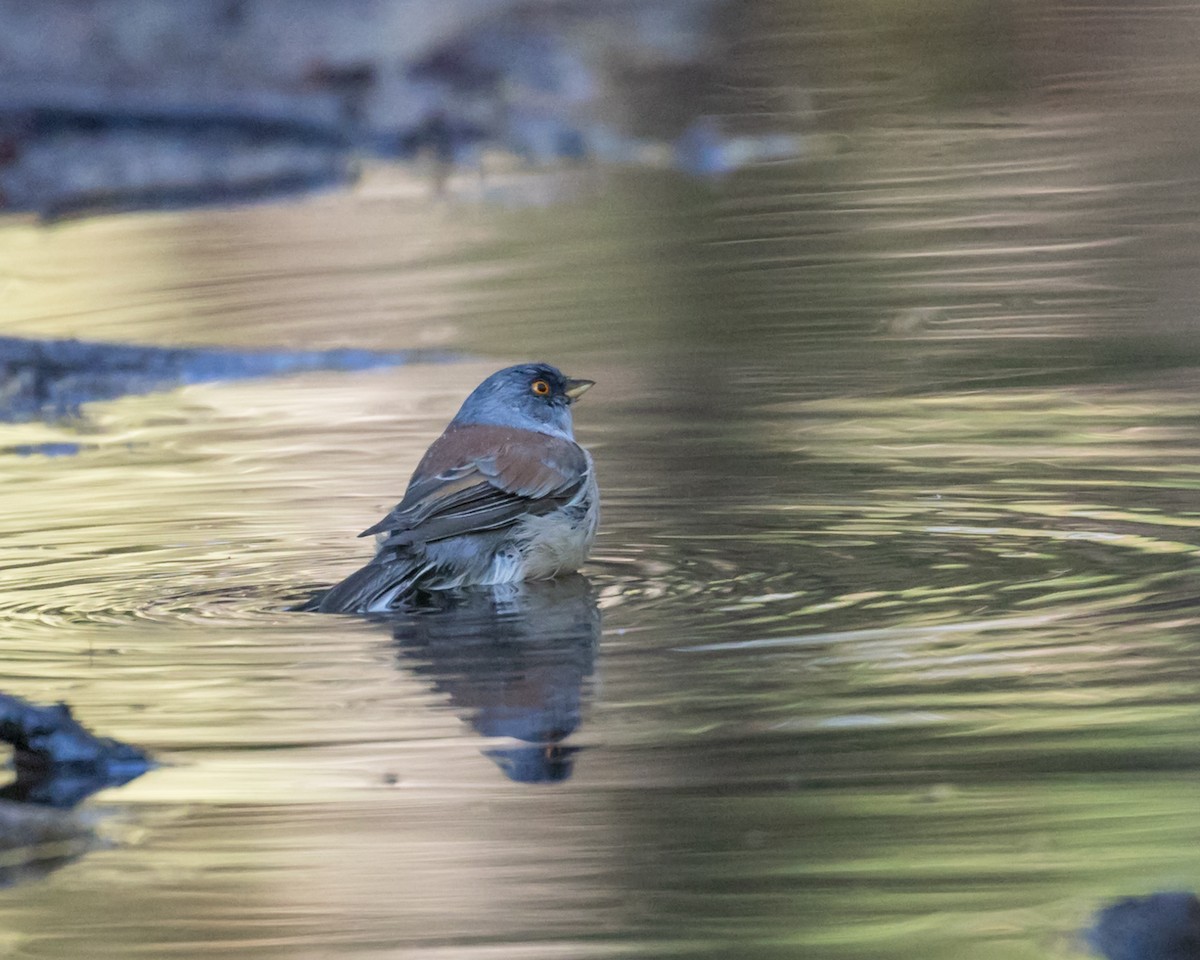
[{"x": 540, "y": 387}]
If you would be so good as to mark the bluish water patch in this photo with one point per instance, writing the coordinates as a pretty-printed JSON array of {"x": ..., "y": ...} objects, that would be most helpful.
[{"x": 44, "y": 449}]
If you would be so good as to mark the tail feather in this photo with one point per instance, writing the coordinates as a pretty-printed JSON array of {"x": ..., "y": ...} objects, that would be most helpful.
[{"x": 375, "y": 588}]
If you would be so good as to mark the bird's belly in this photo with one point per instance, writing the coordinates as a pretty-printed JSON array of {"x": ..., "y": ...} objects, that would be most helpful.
[{"x": 555, "y": 543}]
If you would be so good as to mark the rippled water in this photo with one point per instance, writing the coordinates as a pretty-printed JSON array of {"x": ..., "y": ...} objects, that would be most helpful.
[{"x": 888, "y": 647}]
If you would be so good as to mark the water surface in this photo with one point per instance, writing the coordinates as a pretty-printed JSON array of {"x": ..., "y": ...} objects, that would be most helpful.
[{"x": 888, "y": 647}]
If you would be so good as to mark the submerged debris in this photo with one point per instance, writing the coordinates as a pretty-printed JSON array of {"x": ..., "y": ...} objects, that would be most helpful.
[{"x": 52, "y": 379}]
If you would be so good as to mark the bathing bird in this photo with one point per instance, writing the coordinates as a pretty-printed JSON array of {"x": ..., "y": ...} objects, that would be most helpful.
[{"x": 505, "y": 494}]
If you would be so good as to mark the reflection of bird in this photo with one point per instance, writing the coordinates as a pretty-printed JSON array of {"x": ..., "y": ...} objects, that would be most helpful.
[
  {"x": 513, "y": 660},
  {"x": 504, "y": 495}
]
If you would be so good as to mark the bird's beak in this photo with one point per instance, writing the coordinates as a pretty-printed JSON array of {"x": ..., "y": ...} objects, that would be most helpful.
[{"x": 577, "y": 388}]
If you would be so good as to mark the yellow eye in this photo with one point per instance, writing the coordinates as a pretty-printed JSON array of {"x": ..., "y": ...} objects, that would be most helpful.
[{"x": 540, "y": 387}]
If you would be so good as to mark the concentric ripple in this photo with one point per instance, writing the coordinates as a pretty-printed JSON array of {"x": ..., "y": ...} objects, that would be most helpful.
[{"x": 917, "y": 556}]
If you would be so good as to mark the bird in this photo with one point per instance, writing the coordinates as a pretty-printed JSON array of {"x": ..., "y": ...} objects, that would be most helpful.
[{"x": 504, "y": 495}]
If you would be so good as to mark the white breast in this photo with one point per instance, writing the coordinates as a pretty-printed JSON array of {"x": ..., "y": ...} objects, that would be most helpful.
[{"x": 559, "y": 542}]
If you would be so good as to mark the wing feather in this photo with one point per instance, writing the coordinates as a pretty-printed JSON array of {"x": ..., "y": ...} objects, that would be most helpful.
[{"x": 477, "y": 477}]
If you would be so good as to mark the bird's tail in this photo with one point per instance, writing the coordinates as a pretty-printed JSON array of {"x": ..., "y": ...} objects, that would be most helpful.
[{"x": 380, "y": 586}]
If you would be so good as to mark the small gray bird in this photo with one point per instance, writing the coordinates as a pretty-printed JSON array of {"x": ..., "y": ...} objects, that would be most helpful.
[{"x": 504, "y": 494}]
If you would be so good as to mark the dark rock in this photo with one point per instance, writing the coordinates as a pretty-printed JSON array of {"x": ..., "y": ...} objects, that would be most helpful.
[
  {"x": 59, "y": 761},
  {"x": 1160, "y": 926}
]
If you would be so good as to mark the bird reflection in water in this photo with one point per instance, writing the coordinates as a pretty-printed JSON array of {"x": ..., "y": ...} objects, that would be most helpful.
[{"x": 516, "y": 662}]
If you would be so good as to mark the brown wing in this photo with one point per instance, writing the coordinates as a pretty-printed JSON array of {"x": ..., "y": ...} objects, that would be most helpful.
[{"x": 479, "y": 477}]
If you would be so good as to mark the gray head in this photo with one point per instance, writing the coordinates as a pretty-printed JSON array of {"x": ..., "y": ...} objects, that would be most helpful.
[{"x": 529, "y": 396}]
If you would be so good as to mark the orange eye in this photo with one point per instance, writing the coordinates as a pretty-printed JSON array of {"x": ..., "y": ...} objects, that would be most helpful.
[{"x": 540, "y": 387}]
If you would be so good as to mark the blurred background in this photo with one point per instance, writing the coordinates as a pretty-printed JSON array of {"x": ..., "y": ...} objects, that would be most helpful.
[{"x": 888, "y": 646}]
